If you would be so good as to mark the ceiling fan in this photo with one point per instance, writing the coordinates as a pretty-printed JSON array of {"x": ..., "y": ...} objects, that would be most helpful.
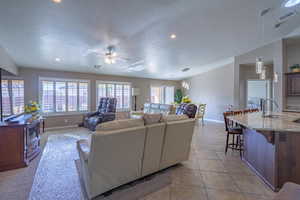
[{"x": 110, "y": 56}]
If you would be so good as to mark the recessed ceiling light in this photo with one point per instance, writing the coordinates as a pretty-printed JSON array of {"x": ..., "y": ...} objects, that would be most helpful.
[
  {"x": 57, "y": 59},
  {"x": 291, "y": 3},
  {"x": 173, "y": 36},
  {"x": 56, "y": 1}
]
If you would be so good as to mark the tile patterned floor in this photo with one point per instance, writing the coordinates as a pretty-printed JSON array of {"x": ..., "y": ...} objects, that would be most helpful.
[{"x": 207, "y": 175}]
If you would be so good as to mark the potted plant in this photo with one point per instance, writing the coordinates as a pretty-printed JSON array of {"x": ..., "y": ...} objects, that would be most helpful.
[
  {"x": 178, "y": 96},
  {"x": 295, "y": 68}
]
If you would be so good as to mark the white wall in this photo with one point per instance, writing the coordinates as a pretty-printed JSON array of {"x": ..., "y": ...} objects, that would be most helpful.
[
  {"x": 7, "y": 63},
  {"x": 214, "y": 88}
]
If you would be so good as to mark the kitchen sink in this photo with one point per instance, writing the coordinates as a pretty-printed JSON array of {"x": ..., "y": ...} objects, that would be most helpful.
[{"x": 274, "y": 116}]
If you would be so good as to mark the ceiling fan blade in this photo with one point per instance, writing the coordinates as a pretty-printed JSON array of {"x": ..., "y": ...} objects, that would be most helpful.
[
  {"x": 123, "y": 58},
  {"x": 133, "y": 64},
  {"x": 92, "y": 51}
]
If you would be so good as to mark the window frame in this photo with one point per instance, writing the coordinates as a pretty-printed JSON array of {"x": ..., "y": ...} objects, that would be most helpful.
[
  {"x": 66, "y": 80},
  {"x": 116, "y": 83},
  {"x": 163, "y": 92},
  {"x": 10, "y": 92}
]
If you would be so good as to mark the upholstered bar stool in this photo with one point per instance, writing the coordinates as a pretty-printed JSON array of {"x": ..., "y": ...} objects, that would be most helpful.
[{"x": 234, "y": 131}]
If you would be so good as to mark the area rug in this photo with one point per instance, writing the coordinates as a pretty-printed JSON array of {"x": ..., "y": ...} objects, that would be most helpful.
[
  {"x": 133, "y": 190},
  {"x": 56, "y": 177}
]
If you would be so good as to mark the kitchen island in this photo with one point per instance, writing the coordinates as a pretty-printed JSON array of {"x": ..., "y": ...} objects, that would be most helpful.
[{"x": 272, "y": 146}]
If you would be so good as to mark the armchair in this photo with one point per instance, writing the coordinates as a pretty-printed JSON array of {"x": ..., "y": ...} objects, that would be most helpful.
[
  {"x": 106, "y": 112},
  {"x": 187, "y": 109}
]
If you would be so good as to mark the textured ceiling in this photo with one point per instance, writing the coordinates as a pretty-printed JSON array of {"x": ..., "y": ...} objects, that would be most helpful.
[{"x": 35, "y": 32}]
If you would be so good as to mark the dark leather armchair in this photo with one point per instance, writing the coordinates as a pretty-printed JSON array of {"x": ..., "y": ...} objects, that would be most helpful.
[
  {"x": 187, "y": 109},
  {"x": 106, "y": 112}
]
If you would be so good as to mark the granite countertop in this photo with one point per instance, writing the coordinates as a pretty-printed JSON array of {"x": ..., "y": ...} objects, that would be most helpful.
[{"x": 283, "y": 122}]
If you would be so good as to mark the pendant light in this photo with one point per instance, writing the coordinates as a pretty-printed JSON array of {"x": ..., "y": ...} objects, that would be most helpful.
[
  {"x": 275, "y": 77},
  {"x": 259, "y": 65},
  {"x": 259, "y": 60},
  {"x": 263, "y": 75}
]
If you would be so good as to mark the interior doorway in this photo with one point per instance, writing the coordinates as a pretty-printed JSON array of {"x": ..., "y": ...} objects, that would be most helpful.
[{"x": 258, "y": 89}]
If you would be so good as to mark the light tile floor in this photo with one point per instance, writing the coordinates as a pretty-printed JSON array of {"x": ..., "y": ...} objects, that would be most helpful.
[{"x": 209, "y": 174}]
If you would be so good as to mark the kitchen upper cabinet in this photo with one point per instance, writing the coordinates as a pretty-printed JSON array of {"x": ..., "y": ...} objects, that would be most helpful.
[{"x": 293, "y": 84}]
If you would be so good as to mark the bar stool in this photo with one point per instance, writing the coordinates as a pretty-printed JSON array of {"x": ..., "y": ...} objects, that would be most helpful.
[{"x": 234, "y": 131}]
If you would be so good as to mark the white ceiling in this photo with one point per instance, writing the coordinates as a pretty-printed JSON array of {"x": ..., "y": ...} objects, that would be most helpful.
[{"x": 35, "y": 32}]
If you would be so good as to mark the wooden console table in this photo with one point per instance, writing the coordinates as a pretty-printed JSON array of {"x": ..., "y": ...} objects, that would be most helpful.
[{"x": 19, "y": 141}]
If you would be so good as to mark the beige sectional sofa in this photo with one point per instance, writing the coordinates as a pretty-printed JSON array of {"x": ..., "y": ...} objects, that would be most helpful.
[{"x": 122, "y": 151}]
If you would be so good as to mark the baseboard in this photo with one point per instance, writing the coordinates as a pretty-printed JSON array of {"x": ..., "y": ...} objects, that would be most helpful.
[
  {"x": 60, "y": 127},
  {"x": 214, "y": 120}
]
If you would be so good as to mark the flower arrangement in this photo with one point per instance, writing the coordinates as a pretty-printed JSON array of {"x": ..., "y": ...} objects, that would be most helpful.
[
  {"x": 32, "y": 107},
  {"x": 295, "y": 68},
  {"x": 186, "y": 99}
]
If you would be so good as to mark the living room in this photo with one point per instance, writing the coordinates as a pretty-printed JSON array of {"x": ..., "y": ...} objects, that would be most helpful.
[{"x": 149, "y": 100}]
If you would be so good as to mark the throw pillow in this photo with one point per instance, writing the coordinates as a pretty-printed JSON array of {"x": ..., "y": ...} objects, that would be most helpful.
[{"x": 152, "y": 118}]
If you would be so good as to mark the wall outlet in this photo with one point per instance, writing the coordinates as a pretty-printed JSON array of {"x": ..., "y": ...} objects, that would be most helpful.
[{"x": 66, "y": 120}]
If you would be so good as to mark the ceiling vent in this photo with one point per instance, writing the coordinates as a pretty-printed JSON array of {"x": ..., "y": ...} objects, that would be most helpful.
[
  {"x": 185, "y": 69},
  {"x": 97, "y": 66},
  {"x": 285, "y": 18}
]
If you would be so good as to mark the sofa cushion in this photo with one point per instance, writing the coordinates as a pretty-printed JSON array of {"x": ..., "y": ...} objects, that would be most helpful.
[
  {"x": 120, "y": 124},
  {"x": 168, "y": 118},
  {"x": 152, "y": 118}
]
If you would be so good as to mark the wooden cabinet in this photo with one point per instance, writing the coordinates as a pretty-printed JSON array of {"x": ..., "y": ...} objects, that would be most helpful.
[
  {"x": 19, "y": 142},
  {"x": 293, "y": 84},
  {"x": 260, "y": 154},
  {"x": 274, "y": 156}
]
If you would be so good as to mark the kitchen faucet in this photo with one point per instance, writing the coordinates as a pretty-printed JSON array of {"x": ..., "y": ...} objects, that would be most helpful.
[{"x": 263, "y": 105}]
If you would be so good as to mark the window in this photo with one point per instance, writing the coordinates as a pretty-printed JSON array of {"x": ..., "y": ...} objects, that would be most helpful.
[
  {"x": 157, "y": 95},
  {"x": 12, "y": 97},
  {"x": 83, "y": 96},
  {"x": 58, "y": 96},
  {"x": 169, "y": 95},
  {"x": 121, "y": 91},
  {"x": 162, "y": 94},
  {"x": 72, "y": 96}
]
